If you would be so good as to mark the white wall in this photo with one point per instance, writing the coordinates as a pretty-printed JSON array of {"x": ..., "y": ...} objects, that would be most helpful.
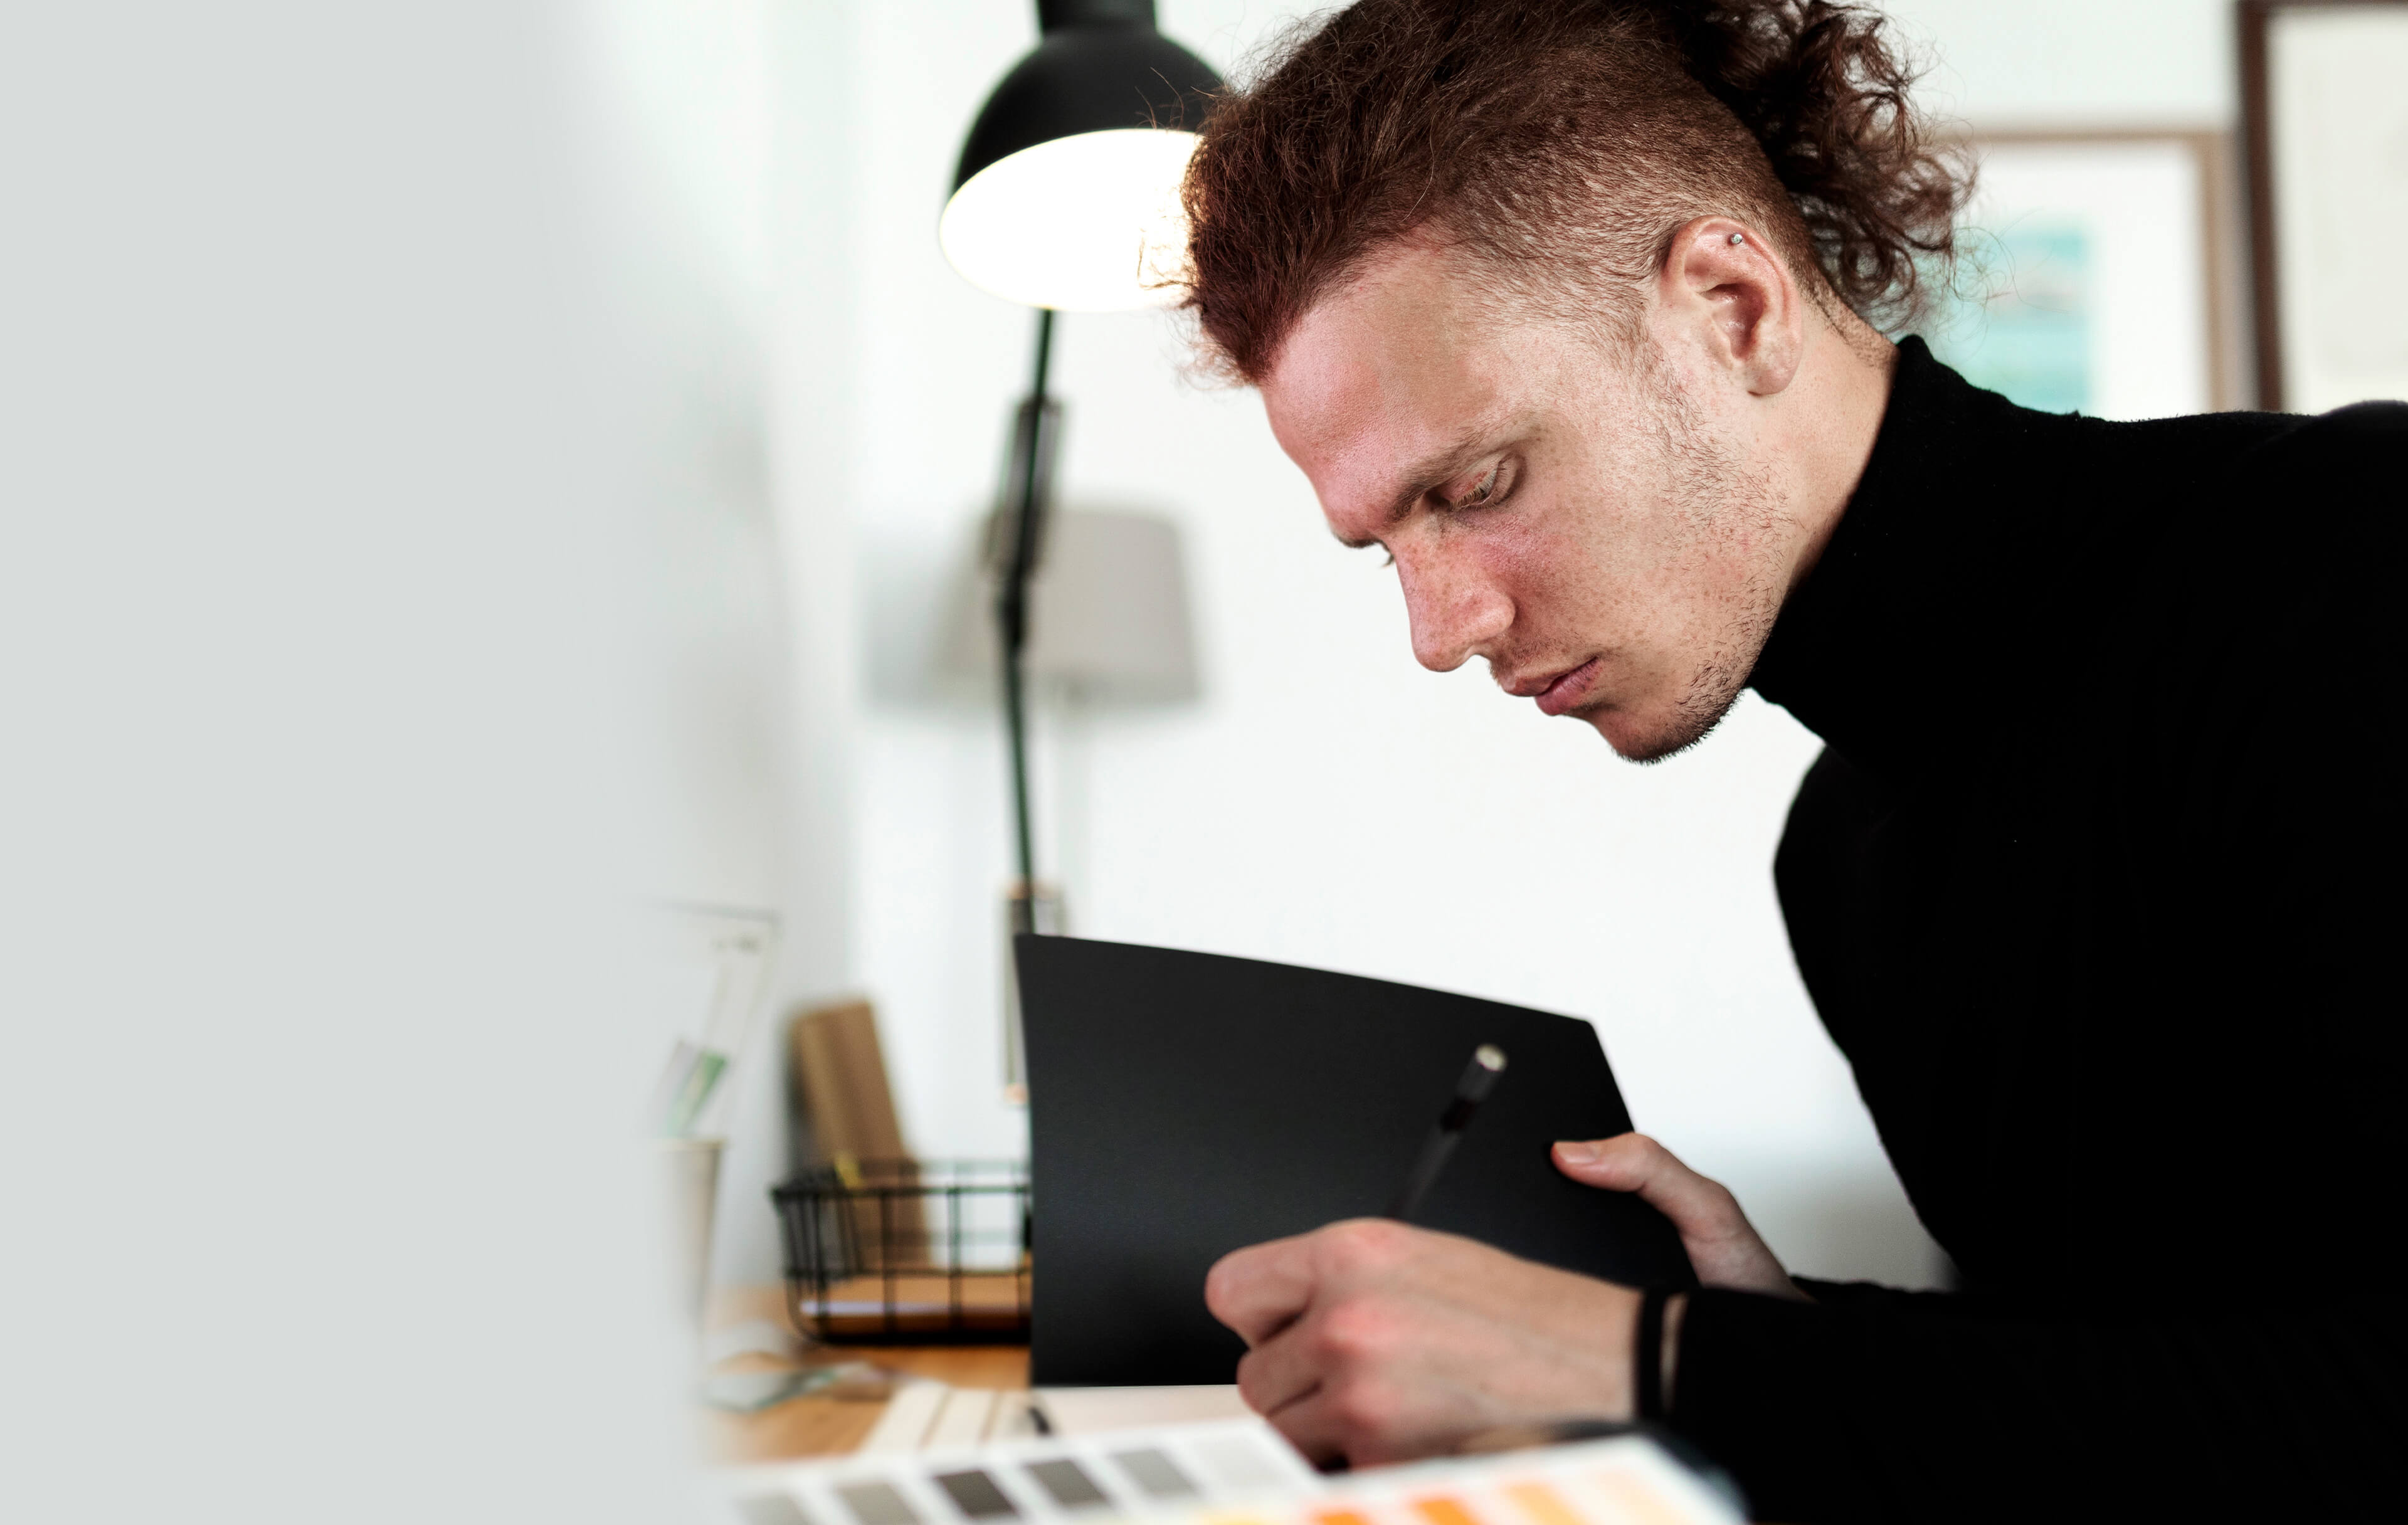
[
  {"x": 327, "y": 483},
  {"x": 2077, "y": 63},
  {"x": 1328, "y": 802},
  {"x": 734, "y": 239}
]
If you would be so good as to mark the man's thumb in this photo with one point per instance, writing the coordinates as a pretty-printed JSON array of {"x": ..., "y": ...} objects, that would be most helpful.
[{"x": 1600, "y": 1163}]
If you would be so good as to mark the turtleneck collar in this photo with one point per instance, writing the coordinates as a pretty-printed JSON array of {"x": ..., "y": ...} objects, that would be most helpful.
[{"x": 1917, "y": 580}]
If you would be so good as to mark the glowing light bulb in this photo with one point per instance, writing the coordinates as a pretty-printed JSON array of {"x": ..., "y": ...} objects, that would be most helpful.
[{"x": 1087, "y": 223}]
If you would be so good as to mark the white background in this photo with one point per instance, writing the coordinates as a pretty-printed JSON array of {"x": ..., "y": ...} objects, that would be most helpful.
[{"x": 2341, "y": 159}]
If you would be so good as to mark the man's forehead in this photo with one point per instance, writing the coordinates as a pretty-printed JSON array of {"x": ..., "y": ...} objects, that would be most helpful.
[{"x": 1383, "y": 375}]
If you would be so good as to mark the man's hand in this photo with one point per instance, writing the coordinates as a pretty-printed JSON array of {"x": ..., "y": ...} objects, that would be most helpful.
[
  {"x": 1722, "y": 1244},
  {"x": 1374, "y": 1342}
]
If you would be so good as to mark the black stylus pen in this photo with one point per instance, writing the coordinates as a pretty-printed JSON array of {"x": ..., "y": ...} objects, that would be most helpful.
[{"x": 1479, "y": 1079}]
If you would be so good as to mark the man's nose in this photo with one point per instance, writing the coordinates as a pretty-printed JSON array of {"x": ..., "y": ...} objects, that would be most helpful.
[{"x": 1456, "y": 613}]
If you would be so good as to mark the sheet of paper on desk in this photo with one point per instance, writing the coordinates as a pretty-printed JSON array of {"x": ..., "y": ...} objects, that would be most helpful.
[
  {"x": 924, "y": 1416},
  {"x": 1089, "y": 1411},
  {"x": 1235, "y": 1472},
  {"x": 927, "y": 1415}
]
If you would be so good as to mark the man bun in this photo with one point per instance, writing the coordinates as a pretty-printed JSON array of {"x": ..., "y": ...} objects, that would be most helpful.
[{"x": 1823, "y": 89}]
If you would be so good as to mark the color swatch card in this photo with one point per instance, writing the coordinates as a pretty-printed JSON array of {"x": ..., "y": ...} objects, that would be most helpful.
[
  {"x": 1092, "y": 1478},
  {"x": 1235, "y": 1472}
]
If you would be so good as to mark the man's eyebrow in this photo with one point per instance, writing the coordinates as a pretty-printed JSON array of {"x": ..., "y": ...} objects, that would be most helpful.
[{"x": 1426, "y": 473}]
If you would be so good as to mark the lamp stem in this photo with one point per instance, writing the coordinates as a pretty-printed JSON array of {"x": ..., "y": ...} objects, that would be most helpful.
[{"x": 1032, "y": 480}]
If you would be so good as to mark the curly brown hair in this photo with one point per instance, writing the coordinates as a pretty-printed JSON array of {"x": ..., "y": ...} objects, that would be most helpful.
[{"x": 1515, "y": 130}]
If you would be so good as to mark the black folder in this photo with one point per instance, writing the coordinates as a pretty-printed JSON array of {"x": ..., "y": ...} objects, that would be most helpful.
[{"x": 1183, "y": 1104}]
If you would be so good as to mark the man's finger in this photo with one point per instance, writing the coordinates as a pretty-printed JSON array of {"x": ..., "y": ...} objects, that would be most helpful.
[
  {"x": 1336, "y": 1336},
  {"x": 1311, "y": 1428},
  {"x": 1262, "y": 1288},
  {"x": 1723, "y": 1247},
  {"x": 1635, "y": 1162},
  {"x": 1278, "y": 1373},
  {"x": 1364, "y": 1422}
]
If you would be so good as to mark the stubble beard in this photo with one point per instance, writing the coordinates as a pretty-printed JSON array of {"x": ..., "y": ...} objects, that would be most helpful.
[{"x": 1724, "y": 502}]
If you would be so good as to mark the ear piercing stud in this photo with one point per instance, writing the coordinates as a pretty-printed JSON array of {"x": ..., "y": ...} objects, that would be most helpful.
[{"x": 1739, "y": 237}]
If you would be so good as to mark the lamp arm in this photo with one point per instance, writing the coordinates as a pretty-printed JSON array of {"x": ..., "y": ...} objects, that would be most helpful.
[{"x": 1035, "y": 440}]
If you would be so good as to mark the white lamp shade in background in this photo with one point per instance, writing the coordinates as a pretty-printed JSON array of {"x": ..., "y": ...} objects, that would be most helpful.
[
  {"x": 1109, "y": 620},
  {"x": 1091, "y": 222}
]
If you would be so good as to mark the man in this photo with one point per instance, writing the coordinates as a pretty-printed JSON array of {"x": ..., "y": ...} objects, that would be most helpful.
[{"x": 1563, "y": 306}]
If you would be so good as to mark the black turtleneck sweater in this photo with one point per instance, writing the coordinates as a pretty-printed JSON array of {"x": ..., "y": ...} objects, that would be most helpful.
[{"x": 2096, "y": 885}]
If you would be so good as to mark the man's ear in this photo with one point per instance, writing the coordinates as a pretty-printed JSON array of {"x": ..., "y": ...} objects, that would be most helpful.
[{"x": 1724, "y": 287}]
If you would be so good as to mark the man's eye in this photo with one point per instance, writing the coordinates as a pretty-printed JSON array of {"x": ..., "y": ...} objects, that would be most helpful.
[{"x": 1483, "y": 491}]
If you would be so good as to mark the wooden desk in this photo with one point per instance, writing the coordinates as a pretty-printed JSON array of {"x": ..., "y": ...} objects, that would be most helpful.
[{"x": 812, "y": 1426}]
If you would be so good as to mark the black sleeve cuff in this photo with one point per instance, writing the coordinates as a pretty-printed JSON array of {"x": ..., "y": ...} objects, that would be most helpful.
[{"x": 1753, "y": 1390}]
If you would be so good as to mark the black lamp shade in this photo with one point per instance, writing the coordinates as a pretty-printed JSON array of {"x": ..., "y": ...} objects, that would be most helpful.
[
  {"x": 1054, "y": 15},
  {"x": 1089, "y": 78},
  {"x": 1067, "y": 195}
]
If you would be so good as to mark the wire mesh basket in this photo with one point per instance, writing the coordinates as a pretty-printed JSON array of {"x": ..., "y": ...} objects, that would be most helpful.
[{"x": 880, "y": 1251}]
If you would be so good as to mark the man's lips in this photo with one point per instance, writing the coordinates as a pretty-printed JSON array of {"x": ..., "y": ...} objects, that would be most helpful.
[{"x": 1561, "y": 693}]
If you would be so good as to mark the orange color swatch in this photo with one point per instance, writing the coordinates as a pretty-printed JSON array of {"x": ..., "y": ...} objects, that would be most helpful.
[{"x": 1440, "y": 1509}]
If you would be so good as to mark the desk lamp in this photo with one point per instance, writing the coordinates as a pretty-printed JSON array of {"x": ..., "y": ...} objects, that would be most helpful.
[{"x": 1066, "y": 198}]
